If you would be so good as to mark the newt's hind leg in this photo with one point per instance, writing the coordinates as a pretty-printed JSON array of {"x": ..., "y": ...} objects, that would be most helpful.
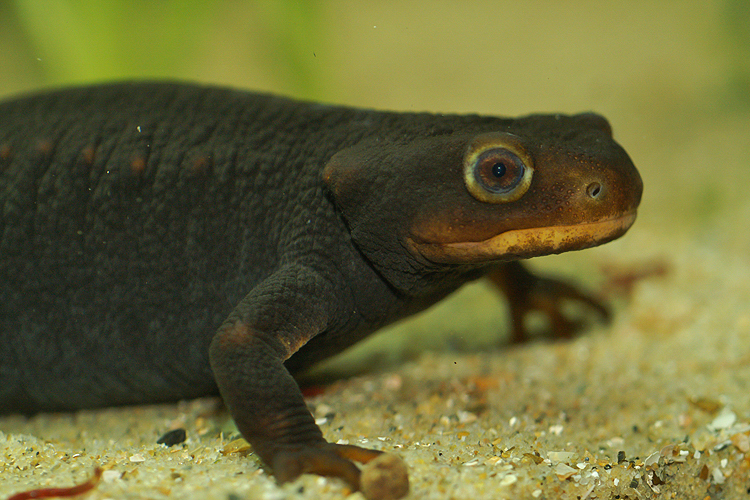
[{"x": 527, "y": 292}]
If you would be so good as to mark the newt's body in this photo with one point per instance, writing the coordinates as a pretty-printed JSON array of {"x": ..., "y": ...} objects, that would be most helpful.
[{"x": 161, "y": 241}]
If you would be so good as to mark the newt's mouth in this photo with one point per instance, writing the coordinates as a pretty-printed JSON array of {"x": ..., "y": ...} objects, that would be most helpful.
[{"x": 525, "y": 243}]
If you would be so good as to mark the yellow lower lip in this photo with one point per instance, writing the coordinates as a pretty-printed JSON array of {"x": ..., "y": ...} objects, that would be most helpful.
[{"x": 531, "y": 242}]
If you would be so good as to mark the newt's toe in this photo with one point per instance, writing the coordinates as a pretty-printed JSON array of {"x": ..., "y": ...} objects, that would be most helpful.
[
  {"x": 381, "y": 480},
  {"x": 385, "y": 478}
]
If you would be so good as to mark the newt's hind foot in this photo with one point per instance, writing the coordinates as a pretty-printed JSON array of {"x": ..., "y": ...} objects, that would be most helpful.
[{"x": 527, "y": 293}]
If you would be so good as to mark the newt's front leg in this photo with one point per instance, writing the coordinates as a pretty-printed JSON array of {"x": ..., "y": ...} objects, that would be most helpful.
[
  {"x": 247, "y": 357},
  {"x": 527, "y": 292}
]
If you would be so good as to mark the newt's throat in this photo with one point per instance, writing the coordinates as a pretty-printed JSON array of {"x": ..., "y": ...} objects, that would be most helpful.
[{"x": 531, "y": 242}]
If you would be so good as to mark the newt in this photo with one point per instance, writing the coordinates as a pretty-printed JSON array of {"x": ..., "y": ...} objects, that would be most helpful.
[{"x": 166, "y": 241}]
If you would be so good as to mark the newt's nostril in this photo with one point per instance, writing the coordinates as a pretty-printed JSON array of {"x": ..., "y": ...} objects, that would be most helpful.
[{"x": 594, "y": 190}]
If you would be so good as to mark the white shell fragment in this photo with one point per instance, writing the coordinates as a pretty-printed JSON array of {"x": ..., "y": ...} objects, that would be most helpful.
[
  {"x": 725, "y": 419},
  {"x": 564, "y": 471}
]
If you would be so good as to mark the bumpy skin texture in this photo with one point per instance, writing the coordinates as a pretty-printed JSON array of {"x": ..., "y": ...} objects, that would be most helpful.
[{"x": 164, "y": 241}]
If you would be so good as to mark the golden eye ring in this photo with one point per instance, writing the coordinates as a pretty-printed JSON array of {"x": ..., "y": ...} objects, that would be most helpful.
[{"x": 496, "y": 168}]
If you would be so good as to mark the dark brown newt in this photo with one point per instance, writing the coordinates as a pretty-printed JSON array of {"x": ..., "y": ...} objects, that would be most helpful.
[{"x": 164, "y": 241}]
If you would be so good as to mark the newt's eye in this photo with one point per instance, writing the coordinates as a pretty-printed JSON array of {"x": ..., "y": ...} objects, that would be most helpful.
[{"x": 495, "y": 171}]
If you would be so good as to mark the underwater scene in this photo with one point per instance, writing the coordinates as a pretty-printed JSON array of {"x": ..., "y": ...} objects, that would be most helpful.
[{"x": 643, "y": 391}]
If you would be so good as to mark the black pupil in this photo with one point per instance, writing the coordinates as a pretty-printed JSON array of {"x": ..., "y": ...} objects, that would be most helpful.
[{"x": 498, "y": 170}]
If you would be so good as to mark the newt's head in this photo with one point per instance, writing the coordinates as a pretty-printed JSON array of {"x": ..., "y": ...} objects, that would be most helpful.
[{"x": 519, "y": 188}]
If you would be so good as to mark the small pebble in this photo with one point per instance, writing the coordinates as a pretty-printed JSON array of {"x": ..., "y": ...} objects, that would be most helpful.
[
  {"x": 508, "y": 480},
  {"x": 385, "y": 478},
  {"x": 741, "y": 441},
  {"x": 173, "y": 437},
  {"x": 109, "y": 476},
  {"x": 717, "y": 476}
]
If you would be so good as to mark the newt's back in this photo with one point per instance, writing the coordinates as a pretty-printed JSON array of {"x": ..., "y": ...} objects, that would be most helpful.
[{"x": 134, "y": 218}]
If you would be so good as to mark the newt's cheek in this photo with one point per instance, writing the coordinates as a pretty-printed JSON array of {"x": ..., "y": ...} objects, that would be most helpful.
[{"x": 497, "y": 173}]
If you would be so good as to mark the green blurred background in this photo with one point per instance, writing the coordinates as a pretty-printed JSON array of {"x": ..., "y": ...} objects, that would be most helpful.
[
  {"x": 461, "y": 56},
  {"x": 673, "y": 77}
]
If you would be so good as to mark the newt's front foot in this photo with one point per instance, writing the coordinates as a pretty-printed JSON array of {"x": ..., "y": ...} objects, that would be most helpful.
[
  {"x": 527, "y": 293},
  {"x": 384, "y": 476}
]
